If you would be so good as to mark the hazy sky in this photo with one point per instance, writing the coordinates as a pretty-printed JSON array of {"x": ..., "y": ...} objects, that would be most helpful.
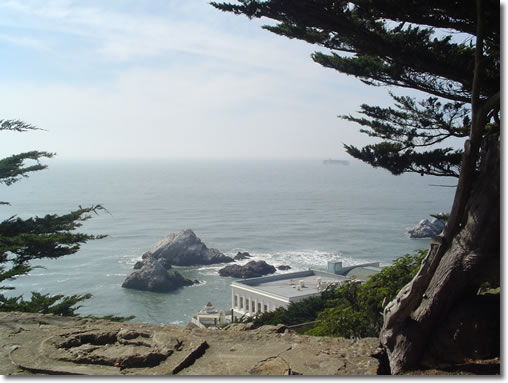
[{"x": 167, "y": 78}]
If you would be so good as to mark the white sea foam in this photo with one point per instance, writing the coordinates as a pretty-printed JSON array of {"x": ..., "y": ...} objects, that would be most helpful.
[
  {"x": 298, "y": 260},
  {"x": 129, "y": 259},
  {"x": 200, "y": 284}
]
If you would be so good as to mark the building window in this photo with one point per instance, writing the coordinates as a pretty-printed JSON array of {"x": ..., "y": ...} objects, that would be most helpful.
[
  {"x": 265, "y": 308},
  {"x": 247, "y": 304},
  {"x": 236, "y": 301},
  {"x": 241, "y": 302},
  {"x": 259, "y": 307},
  {"x": 253, "y": 306}
]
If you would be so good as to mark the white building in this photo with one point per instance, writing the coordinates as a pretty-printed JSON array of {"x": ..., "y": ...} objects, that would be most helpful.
[
  {"x": 209, "y": 317},
  {"x": 256, "y": 295}
]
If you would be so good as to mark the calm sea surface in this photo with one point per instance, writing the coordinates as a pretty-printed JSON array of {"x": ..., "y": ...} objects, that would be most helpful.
[{"x": 295, "y": 212}]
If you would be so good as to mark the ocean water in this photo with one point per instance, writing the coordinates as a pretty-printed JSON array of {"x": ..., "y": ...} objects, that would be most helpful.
[{"x": 300, "y": 213}]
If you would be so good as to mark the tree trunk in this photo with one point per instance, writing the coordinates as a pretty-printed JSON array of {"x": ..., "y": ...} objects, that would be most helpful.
[
  {"x": 457, "y": 264},
  {"x": 463, "y": 257}
]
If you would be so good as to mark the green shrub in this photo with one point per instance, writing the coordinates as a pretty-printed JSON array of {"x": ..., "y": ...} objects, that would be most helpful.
[
  {"x": 352, "y": 310},
  {"x": 44, "y": 303},
  {"x": 296, "y": 313},
  {"x": 60, "y": 305},
  {"x": 357, "y": 309}
]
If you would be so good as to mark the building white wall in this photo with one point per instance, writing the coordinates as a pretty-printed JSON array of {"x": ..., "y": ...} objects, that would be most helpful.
[
  {"x": 246, "y": 292},
  {"x": 257, "y": 303}
]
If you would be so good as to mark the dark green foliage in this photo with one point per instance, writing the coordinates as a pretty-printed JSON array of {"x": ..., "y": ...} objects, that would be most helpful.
[
  {"x": 16, "y": 125},
  {"x": 422, "y": 45},
  {"x": 357, "y": 309},
  {"x": 415, "y": 124},
  {"x": 13, "y": 272},
  {"x": 60, "y": 305},
  {"x": 388, "y": 42},
  {"x": 13, "y": 168},
  {"x": 393, "y": 157},
  {"x": 353, "y": 309},
  {"x": 25, "y": 240},
  {"x": 112, "y": 318},
  {"x": 52, "y": 236},
  {"x": 44, "y": 304},
  {"x": 295, "y": 313},
  {"x": 408, "y": 131}
]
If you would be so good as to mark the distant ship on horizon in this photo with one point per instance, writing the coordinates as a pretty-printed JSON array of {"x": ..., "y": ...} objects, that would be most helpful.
[{"x": 335, "y": 162}]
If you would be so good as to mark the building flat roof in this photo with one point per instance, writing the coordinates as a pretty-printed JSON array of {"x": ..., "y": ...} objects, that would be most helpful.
[{"x": 286, "y": 285}]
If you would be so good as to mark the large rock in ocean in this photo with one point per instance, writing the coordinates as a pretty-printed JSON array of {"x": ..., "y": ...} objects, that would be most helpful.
[
  {"x": 152, "y": 276},
  {"x": 185, "y": 249},
  {"x": 241, "y": 256},
  {"x": 427, "y": 229},
  {"x": 251, "y": 269}
]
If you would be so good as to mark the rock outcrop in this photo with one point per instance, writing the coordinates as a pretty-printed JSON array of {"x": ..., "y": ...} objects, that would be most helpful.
[
  {"x": 155, "y": 273},
  {"x": 151, "y": 275},
  {"x": 251, "y": 269},
  {"x": 241, "y": 256},
  {"x": 185, "y": 249},
  {"x": 50, "y": 345},
  {"x": 427, "y": 229},
  {"x": 284, "y": 267}
]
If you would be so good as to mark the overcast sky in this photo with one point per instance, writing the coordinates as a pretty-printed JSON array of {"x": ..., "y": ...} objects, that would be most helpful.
[{"x": 167, "y": 78}]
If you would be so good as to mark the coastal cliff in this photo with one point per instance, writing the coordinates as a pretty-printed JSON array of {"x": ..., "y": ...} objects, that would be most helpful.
[{"x": 47, "y": 344}]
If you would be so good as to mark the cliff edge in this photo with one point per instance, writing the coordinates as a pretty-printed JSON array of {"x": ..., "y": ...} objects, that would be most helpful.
[{"x": 47, "y": 344}]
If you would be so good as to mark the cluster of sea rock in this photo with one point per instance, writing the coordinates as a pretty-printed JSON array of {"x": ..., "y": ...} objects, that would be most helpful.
[
  {"x": 428, "y": 229},
  {"x": 154, "y": 272}
]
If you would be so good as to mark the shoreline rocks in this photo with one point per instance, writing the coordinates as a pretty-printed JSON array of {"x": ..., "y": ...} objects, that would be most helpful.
[
  {"x": 241, "y": 256},
  {"x": 427, "y": 229},
  {"x": 185, "y": 249},
  {"x": 154, "y": 272},
  {"x": 152, "y": 276},
  {"x": 251, "y": 269}
]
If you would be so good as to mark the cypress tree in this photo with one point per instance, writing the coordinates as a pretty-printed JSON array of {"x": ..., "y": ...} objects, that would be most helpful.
[
  {"x": 450, "y": 51},
  {"x": 23, "y": 241}
]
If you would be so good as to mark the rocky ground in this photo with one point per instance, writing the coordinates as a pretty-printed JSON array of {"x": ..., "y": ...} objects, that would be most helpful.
[{"x": 45, "y": 344}]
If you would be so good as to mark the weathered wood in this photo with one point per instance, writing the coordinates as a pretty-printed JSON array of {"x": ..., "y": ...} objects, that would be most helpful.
[
  {"x": 448, "y": 272},
  {"x": 467, "y": 252}
]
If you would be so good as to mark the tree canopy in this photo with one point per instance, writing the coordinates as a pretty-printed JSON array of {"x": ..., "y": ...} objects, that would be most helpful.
[
  {"x": 450, "y": 51},
  {"x": 427, "y": 46},
  {"x": 25, "y": 240}
]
